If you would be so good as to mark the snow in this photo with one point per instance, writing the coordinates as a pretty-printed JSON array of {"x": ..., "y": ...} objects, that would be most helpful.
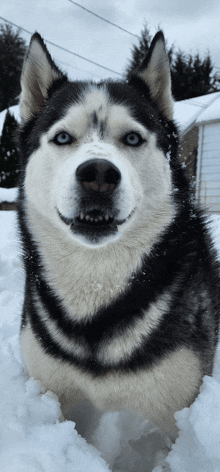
[
  {"x": 198, "y": 445},
  {"x": 211, "y": 113},
  {"x": 191, "y": 111},
  {"x": 15, "y": 111},
  {"x": 34, "y": 437},
  {"x": 8, "y": 194}
]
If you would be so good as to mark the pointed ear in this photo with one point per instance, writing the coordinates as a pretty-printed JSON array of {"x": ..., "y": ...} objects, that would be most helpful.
[
  {"x": 155, "y": 71},
  {"x": 38, "y": 74}
]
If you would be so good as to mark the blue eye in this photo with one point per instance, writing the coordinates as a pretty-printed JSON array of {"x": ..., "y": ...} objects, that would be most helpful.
[
  {"x": 133, "y": 139},
  {"x": 63, "y": 138}
]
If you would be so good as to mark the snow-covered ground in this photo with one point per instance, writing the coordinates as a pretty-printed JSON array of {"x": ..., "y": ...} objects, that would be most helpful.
[
  {"x": 35, "y": 438},
  {"x": 8, "y": 194}
]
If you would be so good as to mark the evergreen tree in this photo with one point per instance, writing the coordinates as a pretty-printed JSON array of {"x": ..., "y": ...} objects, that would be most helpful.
[
  {"x": 9, "y": 157},
  {"x": 191, "y": 75},
  {"x": 139, "y": 52},
  {"x": 12, "y": 51}
]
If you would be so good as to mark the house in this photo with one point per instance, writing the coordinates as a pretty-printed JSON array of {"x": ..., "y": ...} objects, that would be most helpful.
[{"x": 198, "y": 120}]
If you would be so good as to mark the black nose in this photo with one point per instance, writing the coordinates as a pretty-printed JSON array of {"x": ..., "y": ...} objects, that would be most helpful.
[{"x": 98, "y": 175}]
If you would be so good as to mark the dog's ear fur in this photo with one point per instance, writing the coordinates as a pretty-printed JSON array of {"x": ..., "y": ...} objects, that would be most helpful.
[
  {"x": 155, "y": 71},
  {"x": 38, "y": 74}
]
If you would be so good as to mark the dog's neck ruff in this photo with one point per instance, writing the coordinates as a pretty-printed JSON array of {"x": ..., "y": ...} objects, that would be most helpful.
[{"x": 168, "y": 258}]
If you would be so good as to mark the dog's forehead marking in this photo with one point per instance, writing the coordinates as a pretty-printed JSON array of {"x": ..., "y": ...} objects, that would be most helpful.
[
  {"x": 90, "y": 111},
  {"x": 97, "y": 111},
  {"x": 96, "y": 103}
]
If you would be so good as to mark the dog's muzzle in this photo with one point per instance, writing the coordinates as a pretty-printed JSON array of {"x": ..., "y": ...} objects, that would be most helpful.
[{"x": 98, "y": 181}]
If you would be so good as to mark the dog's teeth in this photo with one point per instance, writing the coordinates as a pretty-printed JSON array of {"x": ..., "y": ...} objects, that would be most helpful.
[{"x": 106, "y": 217}]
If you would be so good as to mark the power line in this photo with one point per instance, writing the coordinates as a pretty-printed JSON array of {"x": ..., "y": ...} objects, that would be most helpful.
[
  {"x": 71, "y": 52},
  {"x": 63, "y": 49},
  {"x": 104, "y": 19},
  {"x": 17, "y": 26}
]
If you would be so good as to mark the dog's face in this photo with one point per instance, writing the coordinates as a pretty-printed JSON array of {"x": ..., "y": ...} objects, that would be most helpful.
[{"x": 95, "y": 159}]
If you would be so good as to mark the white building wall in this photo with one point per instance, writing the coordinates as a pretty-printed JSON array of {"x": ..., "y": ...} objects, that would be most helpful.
[{"x": 208, "y": 170}]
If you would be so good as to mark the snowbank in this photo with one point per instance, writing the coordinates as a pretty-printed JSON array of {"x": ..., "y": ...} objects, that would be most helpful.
[
  {"x": 8, "y": 194},
  {"x": 35, "y": 438}
]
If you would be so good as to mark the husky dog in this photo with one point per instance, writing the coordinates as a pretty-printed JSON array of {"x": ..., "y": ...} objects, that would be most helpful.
[{"x": 122, "y": 284}]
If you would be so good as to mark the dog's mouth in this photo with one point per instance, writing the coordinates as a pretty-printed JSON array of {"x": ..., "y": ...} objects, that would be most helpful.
[
  {"x": 94, "y": 224},
  {"x": 95, "y": 218}
]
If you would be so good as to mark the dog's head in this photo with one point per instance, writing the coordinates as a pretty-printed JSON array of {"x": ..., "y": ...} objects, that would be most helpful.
[{"x": 97, "y": 156}]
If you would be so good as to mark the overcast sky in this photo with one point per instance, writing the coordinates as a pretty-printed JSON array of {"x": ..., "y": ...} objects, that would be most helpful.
[{"x": 192, "y": 25}]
